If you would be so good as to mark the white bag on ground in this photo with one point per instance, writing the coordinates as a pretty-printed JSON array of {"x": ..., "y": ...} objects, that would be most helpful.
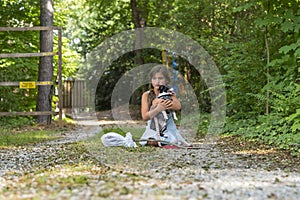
[
  {"x": 113, "y": 139},
  {"x": 129, "y": 141}
]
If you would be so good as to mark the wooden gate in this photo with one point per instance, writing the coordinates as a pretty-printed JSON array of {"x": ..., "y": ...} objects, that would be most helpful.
[{"x": 75, "y": 95}]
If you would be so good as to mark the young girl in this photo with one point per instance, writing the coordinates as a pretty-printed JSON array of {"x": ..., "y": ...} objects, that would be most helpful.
[{"x": 152, "y": 107}]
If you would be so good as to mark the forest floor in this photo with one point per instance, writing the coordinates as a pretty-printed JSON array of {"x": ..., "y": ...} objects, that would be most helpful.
[{"x": 71, "y": 168}]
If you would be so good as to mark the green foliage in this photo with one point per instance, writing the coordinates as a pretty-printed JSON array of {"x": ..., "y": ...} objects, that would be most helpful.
[
  {"x": 294, "y": 119},
  {"x": 18, "y": 13},
  {"x": 26, "y": 13},
  {"x": 14, "y": 122},
  {"x": 237, "y": 34},
  {"x": 93, "y": 21},
  {"x": 272, "y": 129},
  {"x": 277, "y": 83},
  {"x": 244, "y": 76}
]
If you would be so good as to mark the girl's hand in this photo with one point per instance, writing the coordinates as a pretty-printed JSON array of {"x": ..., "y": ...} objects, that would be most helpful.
[
  {"x": 167, "y": 104},
  {"x": 156, "y": 101}
]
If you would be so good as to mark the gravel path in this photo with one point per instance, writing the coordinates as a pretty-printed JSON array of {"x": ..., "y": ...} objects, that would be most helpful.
[{"x": 119, "y": 173}]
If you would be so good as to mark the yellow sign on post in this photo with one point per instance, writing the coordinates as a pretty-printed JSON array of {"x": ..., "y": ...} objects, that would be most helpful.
[
  {"x": 44, "y": 83},
  {"x": 27, "y": 85}
]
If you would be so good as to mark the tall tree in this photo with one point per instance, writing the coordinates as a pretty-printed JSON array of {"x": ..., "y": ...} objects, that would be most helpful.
[
  {"x": 46, "y": 63},
  {"x": 138, "y": 22}
]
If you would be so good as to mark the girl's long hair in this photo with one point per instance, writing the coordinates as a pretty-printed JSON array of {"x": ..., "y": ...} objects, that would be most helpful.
[{"x": 157, "y": 69}]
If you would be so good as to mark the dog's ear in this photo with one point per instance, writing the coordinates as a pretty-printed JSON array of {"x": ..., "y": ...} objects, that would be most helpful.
[
  {"x": 161, "y": 88},
  {"x": 166, "y": 89}
]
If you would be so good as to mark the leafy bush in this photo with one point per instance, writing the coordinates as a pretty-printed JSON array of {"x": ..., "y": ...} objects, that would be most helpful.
[
  {"x": 14, "y": 122},
  {"x": 272, "y": 129}
]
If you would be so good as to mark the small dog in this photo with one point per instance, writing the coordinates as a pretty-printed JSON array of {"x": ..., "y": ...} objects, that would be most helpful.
[
  {"x": 158, "y": 123},
  {"x": 166, "y": 93}
]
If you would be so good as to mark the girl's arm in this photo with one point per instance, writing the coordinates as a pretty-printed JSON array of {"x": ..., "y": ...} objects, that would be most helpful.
[
  {"x": 159, "y": 107},
  {"x": 176, "y": 105},
  {"x": 145, "y": 107}
]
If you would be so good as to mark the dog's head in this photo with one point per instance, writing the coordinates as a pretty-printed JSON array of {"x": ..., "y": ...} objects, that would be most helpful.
[
  {"x": 163, "y": 89},
  {"x": 164, "y": 92}
]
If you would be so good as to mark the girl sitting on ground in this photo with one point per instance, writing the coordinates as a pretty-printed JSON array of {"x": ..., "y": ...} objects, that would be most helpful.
[{"x": 152, "y": 108}]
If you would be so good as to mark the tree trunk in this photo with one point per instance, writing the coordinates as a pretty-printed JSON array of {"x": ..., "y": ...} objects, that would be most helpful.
[
  {"x": 135, "y": 14},
  {"x": 138, "y": 22},
  {"x": 268, "y": 62},
  {"x": 45, "y": 73},
  {"x": 213, "y": 24}
]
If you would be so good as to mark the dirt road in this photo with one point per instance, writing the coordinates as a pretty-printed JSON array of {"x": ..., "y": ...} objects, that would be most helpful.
[{"x": 72, "y": 168}]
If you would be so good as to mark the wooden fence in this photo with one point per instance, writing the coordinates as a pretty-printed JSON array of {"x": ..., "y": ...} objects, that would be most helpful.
[
  {"x": 75, "y": 94},
  {"x": 32, "y": 84}
]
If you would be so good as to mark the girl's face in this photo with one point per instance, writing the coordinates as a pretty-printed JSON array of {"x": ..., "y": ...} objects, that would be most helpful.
[{"x": 157, "y": 80}]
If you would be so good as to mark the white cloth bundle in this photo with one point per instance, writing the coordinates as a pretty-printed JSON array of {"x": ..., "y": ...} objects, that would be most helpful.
[{"x": 114, "y": 139}]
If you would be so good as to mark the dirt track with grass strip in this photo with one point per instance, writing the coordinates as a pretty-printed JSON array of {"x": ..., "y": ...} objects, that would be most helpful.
[{"x": 69, "y": 168}]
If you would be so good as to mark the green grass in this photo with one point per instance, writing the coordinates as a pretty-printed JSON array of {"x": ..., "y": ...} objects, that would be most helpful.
[
  {"x": 18, "y": 131},
  {"x": 135, "y": 131},
  {"x": 9, "y": 138}
]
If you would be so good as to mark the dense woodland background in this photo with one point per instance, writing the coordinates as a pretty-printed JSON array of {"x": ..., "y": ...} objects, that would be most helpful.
[{"x": 255, "y": 44}]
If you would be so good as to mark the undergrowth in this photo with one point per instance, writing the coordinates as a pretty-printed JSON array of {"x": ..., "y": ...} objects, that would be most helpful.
[
  {"x": 18, "y": 131},
  {"x": 271, "y": 129},
  {"x": 14, "y": 122}
]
